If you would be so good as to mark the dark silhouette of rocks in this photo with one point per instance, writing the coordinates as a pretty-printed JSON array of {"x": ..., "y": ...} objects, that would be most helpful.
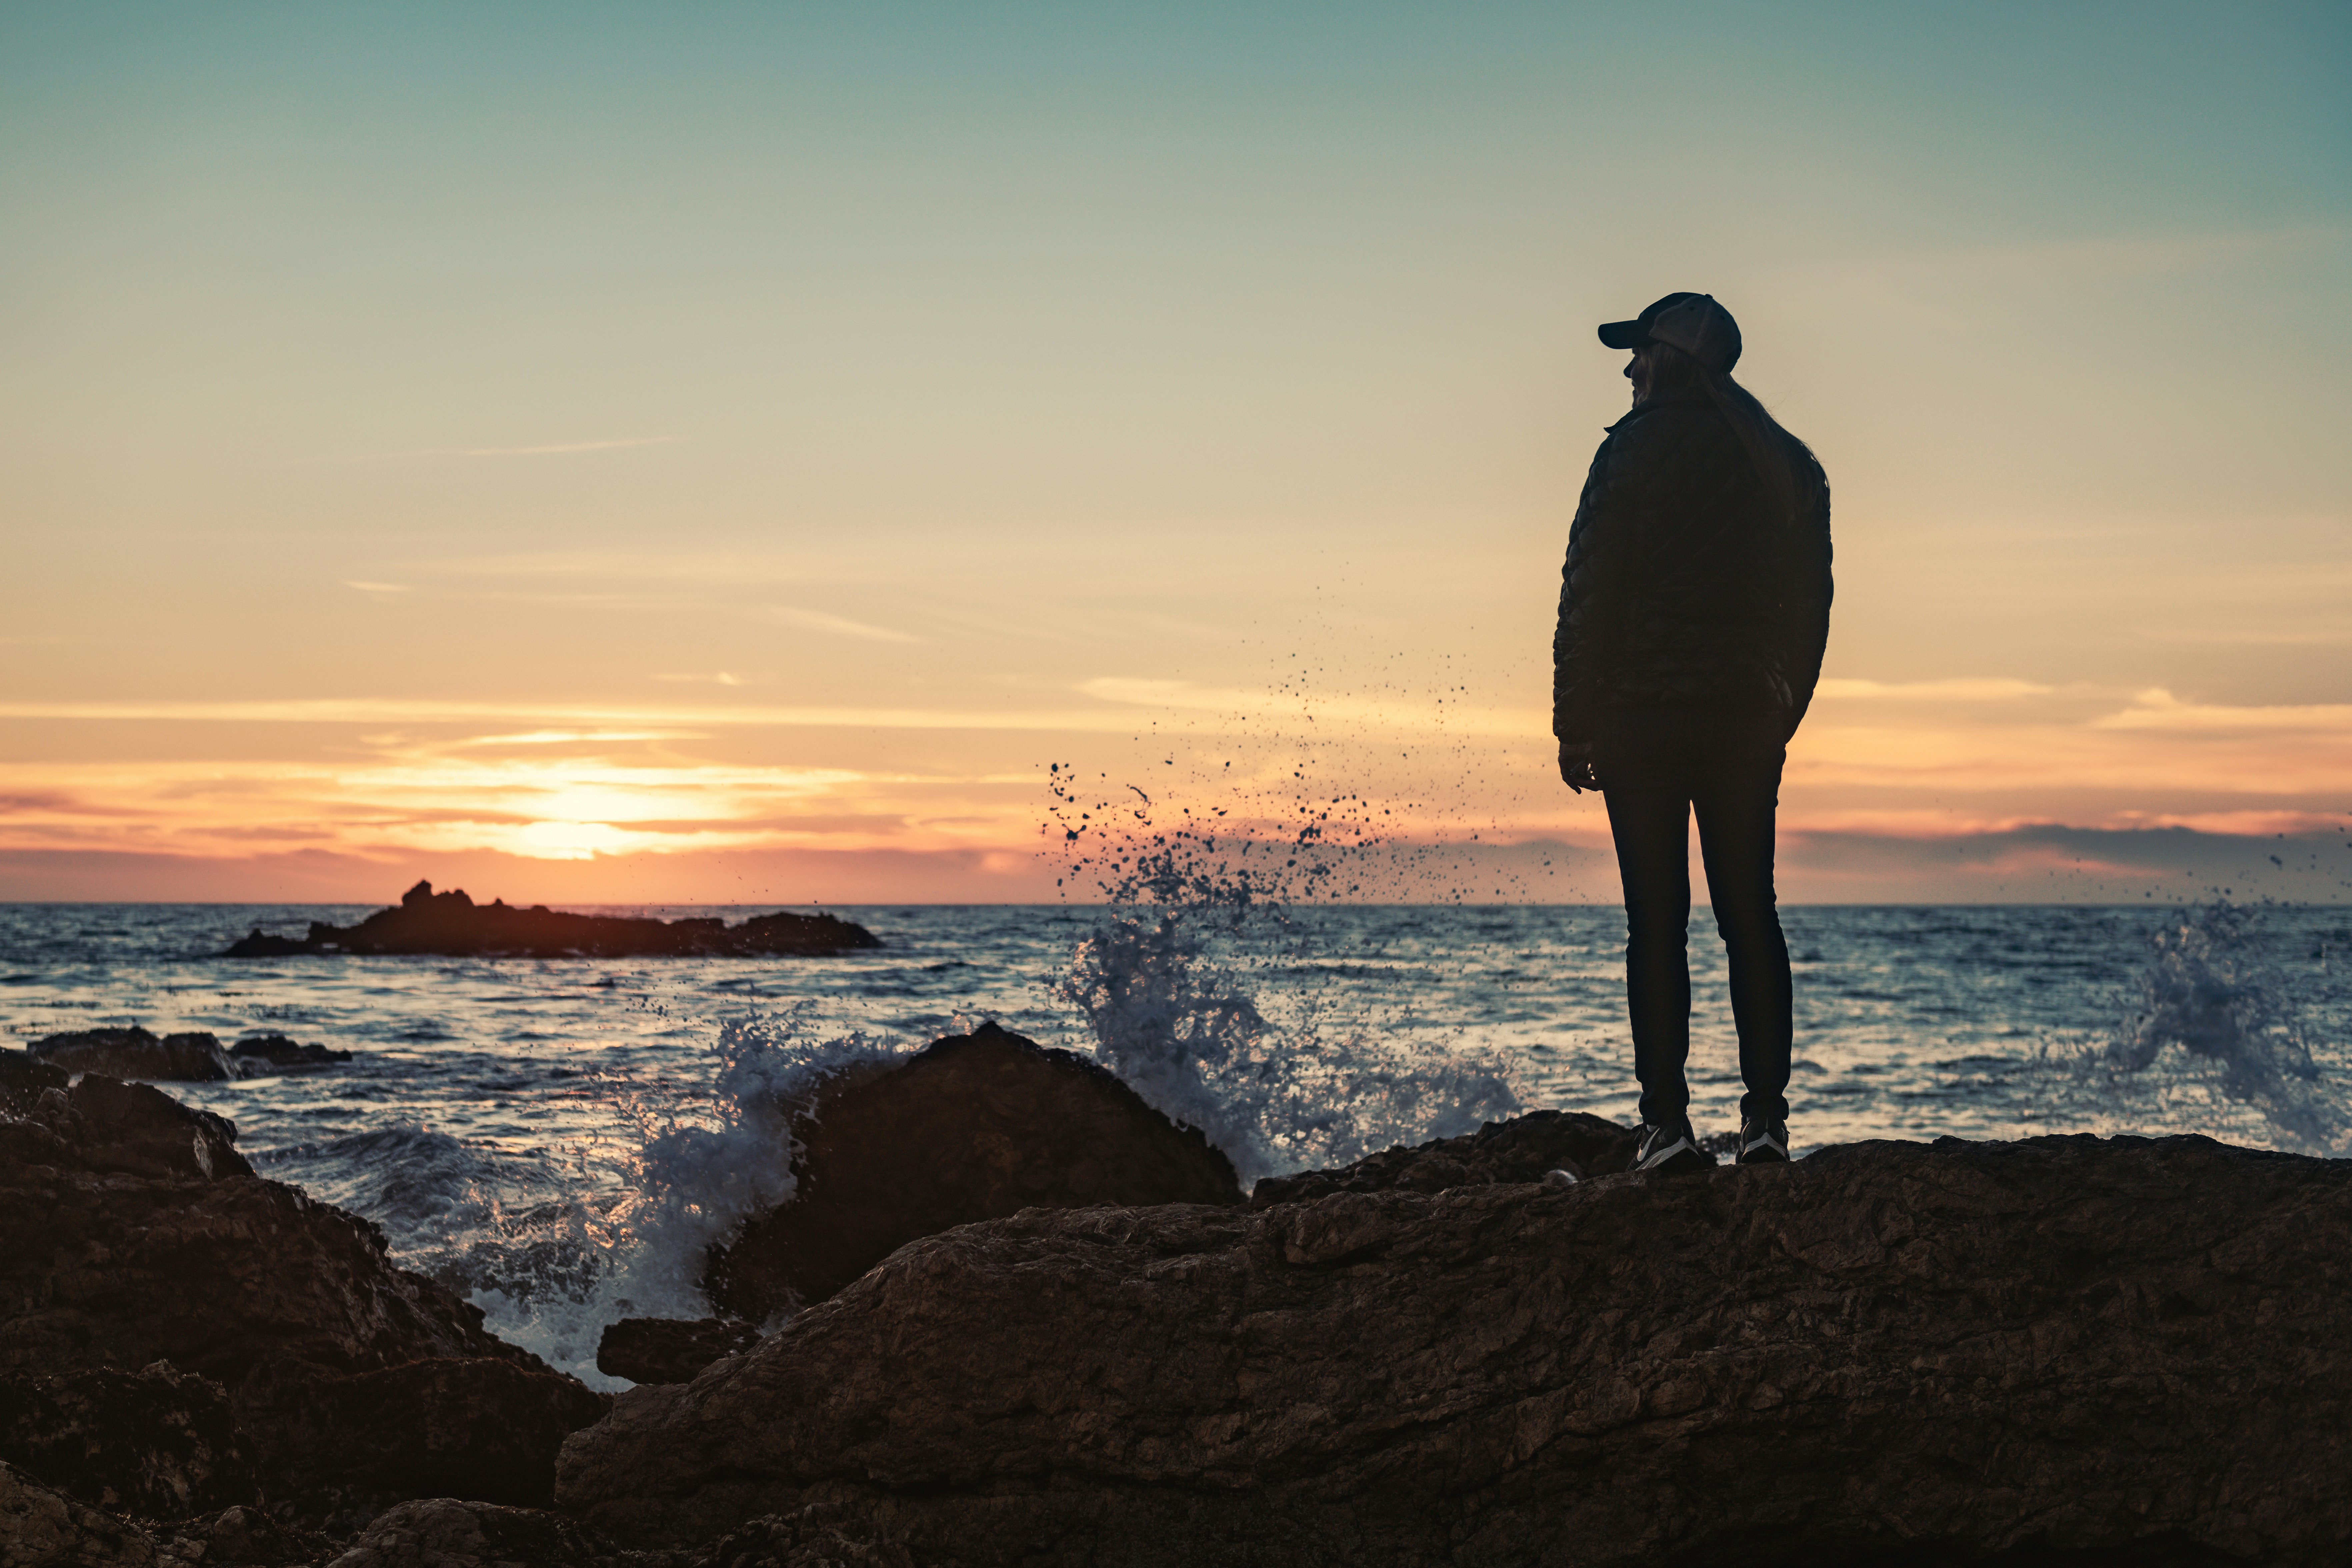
[
  {"x": 24, "y": 1078},
  {"x": 1520, "y": 1150},
  {"x": 668, "y": 1350},
  {"x": 971, "y": 1127},
  {"x": 1893, "y": 1351},
  {"x": 135, "y": 1234},
  {"x": 483, "y": 1427},
  {"x": 452, "y": 925},
  {"x": 159, "y": 1443},
  {"x": 110, "y": 1125},
  {"x": 134, "y": 1053},
  {"x": 263, "y": 1054}
]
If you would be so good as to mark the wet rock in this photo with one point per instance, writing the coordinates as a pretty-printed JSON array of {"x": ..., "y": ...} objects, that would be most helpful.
[
  {"x": 1965, "y": 1352},
  {"x": 667, "y": 1350},
  {"x": 40, "y": 1528},
  {"x": 452, "y": 925},
  {"x": 158, "y": 1442},
  {"x": 136, "y": 1053},
  {"x": 1523, "y": 1149},
  {"x": 113, "y": 1260},
  {"x": 105, "y": 1124},
  {"x": 264, "y": 1054},
  {"x": 972, "y": 1127}
]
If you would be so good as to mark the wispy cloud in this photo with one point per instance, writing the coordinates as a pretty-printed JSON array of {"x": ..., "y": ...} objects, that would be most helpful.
[
  {"x": 2159, "y": 710},
  {"x": 431, "y": 710},
  {"x": 839, "y": 625},
  {"x": 1963, "y": 690}
]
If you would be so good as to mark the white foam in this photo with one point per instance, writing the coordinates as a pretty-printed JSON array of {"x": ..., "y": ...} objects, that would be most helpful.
[
  {"x": 697, "y": 1164},
  {"x": 2217, "y": 1042}
]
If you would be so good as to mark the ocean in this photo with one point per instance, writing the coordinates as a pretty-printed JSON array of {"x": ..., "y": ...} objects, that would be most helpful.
[{"x": 561, "y": 1138}]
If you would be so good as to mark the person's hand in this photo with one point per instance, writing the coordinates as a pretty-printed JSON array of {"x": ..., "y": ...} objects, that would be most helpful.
[{"x": 1576, "y": 767}]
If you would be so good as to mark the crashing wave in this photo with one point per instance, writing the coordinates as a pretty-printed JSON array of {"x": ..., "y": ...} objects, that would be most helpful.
[{"x": 1191, "y": 984}]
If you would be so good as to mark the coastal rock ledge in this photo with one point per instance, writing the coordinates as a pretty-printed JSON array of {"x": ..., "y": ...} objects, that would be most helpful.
[{"x": 2133, "y": 1349}]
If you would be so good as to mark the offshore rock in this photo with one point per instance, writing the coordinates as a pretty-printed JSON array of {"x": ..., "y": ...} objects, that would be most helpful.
[
  {"x": 134, "y": 1053},
  {"x": 972, "y": 1127},
  {"x": 265, "y": 1054},
  {"x": 1520, "y": 1150},
  {"x": 668, "y": 1350},
  {"x": 131, "y": 1232},
  {"x": 1952, "y": 1352},
  {"x": 452, "y": 925},
  {"x": 159, "y": 1443}
]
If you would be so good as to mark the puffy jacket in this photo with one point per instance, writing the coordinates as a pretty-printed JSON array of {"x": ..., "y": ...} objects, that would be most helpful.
[{"x": 1681, "y": 588}]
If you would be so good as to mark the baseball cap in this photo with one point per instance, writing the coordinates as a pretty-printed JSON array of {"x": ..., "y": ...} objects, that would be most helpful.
[{"x": 1694, "y": 323}]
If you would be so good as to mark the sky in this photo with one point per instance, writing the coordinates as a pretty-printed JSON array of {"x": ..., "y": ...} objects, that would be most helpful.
[{"x": 641, "y": 454}]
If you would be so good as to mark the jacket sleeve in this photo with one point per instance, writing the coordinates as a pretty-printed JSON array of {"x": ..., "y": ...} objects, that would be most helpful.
[
  {"x": 1591, "y": 589},
  {"x": 1810, "y": 590}
]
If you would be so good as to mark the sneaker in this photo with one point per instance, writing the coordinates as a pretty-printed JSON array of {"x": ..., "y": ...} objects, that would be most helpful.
[
  {"x": 1762, "y": 1143},
  {"x": 1670, "y": 1148}
]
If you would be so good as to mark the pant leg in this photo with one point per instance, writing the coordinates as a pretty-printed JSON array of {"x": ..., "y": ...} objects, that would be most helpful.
[
  {"x": 1735, "y": 838},
  {"x": 1652, "y": 831}
]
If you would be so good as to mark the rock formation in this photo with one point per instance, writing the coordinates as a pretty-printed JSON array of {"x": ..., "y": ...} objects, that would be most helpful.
[
  {"x": 264, "y": 1054},
  {"x": 39, "y": 1528},
  {"x": 1894, "y": 1352},
  {"x": 972, "y": 1127},
  {"x": 442, "y": 1532},
  {"x": 452, "y": 925},
  {"x": 134, "y": 1053},
  {"x": 24, "y": 1079},
  {"x": 109, "y": 1125},
  {"x": 665, "y": 1350},
  {"x": 42, "y": 1528},
  {"x": 1520, "y": 1150},
  {"x": 135, "y": 1235},
  {"x": 159, "y": 1443}
]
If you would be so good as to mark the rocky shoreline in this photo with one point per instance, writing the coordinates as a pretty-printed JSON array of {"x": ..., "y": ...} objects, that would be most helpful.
[{"x": 2068, "y": 1350}]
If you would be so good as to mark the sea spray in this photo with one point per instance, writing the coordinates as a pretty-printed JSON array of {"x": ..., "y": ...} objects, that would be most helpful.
[
  {"x": 2215, "y": 1038},
  {"x": 690, "y": 1165},
  {"x": 1196, "y": 932},
  {"x": 2210, "y": 992}
]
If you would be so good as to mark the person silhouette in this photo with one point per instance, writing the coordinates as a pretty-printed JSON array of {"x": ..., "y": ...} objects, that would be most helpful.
[{"x": 1694, "y": 610}]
